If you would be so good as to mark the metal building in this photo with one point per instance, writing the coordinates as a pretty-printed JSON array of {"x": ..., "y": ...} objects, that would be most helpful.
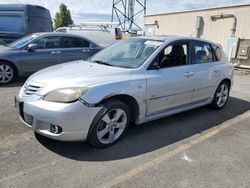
[{"x": 229, "y": 26}]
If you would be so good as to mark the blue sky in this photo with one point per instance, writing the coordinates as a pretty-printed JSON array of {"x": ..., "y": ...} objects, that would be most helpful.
[{"x": 100, "y": 10}]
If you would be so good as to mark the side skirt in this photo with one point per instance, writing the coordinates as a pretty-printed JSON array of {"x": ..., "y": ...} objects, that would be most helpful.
[{"x": 177, "y": 109}]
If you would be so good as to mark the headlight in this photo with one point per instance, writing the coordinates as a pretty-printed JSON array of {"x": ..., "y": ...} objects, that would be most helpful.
[{"x": 65, "y": 95}]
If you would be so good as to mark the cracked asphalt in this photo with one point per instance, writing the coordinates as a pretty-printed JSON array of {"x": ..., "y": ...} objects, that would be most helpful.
[{"x": 197, "y": 148}]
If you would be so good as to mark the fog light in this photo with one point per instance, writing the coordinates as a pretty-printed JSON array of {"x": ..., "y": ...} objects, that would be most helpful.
[{"x": 55, "y": 129}]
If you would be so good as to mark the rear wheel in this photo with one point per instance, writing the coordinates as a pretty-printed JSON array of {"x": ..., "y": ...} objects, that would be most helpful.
[
  {"x": 221, "y": 96},
  {"x": 111, "y": 126},
  {"x": 7, "y": 73}
]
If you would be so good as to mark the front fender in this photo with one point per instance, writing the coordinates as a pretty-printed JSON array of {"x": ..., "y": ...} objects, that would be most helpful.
[
  {"x": 135, "y": 89},
  {"x": 97, "y": 93}
]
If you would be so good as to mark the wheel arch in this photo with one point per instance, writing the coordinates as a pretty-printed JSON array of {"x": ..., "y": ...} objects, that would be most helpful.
[
  {"x": 130, "y": 101},
  {"x": 228, "y": 81},
  {"x": 12, "y": 64}
]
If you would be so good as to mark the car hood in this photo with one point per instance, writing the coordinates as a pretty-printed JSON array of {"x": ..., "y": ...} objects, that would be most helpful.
[
  {"x": 5, "y": 49},
  {"x": 77, "y": 74}
]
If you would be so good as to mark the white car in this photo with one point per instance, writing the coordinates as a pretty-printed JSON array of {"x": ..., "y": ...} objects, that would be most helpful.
[
  {"x": 102, "y": 33},
  {"x": 136, "y": 80}
]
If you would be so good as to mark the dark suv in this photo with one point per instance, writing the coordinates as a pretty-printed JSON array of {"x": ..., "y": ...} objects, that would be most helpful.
[{"x": 18, "y": 20}]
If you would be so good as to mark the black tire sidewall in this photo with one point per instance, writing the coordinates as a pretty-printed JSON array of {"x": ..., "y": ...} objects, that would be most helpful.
[{"x": 109, "y": 105}]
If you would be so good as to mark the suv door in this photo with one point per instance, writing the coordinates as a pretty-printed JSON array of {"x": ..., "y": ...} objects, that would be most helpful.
[
  {"x": 170, "y": 86},
  {"x": 74, "y": 48},
  {"x": 46, "y": 54},
  {"x": 208, "y": 70}
]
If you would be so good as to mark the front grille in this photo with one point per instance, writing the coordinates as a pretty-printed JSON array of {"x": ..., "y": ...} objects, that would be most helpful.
[
  {"x": 28, "y": 119},
  {"x": 31, "y": 89}
]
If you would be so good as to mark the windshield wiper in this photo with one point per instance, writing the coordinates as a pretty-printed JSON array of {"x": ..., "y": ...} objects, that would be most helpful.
[{"x": 103, "y": 63}]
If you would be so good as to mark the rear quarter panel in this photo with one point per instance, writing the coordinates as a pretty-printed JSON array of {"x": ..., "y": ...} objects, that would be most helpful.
[{"x": 227, "y": 69}]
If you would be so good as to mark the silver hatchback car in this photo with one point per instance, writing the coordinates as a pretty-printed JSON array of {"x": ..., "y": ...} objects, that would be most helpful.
[{"x": 136, "y": 80}]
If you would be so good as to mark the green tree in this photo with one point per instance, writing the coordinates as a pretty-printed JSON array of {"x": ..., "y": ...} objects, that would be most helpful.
[{"x": 63, "y": 17}]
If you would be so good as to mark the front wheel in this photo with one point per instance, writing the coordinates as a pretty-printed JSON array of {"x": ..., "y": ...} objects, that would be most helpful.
[
  {"x": 111, "y": 126},
  {"x": 221, "y": 96}
]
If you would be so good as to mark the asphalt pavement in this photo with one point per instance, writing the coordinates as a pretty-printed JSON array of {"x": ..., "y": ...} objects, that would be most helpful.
[{"x": 197, "y": 148}]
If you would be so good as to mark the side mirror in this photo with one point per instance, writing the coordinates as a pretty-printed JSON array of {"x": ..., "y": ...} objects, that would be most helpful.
[{"x": 32, "y": 47}]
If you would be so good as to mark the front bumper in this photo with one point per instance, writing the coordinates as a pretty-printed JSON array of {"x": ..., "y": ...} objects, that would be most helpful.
[{"x": 74, "y": 118}]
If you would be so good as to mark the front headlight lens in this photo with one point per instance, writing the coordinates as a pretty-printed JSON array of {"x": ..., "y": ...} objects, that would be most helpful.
[{"x": 65, "y": 95}]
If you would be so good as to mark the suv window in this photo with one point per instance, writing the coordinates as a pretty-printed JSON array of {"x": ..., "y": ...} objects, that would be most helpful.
[
  {"x": 48, "y": 42},
  {"x": 217, "y": 52},
  {"x": 174, "y": 55},
  {"x": 203, "y": 53},
  {"x": 73, "y": 42}
]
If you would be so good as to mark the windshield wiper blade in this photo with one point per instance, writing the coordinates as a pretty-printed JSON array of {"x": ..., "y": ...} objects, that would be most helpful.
[{"x": 103, "y": 63}]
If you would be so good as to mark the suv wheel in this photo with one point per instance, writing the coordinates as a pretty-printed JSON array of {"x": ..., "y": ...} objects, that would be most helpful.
[
  {"x": 221, "y": 96},
  {"x": 7, "y": 73},
  {"x": 111, "y": 126}
]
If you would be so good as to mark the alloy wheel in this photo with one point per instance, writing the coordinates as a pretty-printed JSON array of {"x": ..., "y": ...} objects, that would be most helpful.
[
  {"x": 6, "y": 73},
  {"x": 222, "y": 95},
  {"x": 111, "y": 126}
]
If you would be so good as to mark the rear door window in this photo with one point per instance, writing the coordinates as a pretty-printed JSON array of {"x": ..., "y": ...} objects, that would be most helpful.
[
  {"x": 73, "y": 42},
  {"x": 203, "y": 52}
]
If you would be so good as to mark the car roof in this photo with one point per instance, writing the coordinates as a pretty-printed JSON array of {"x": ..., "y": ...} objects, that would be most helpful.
[
  {"x": 166, "y": 38},
  {"x": 41, "y": 34},
  {"x": 54, "y": 34}
]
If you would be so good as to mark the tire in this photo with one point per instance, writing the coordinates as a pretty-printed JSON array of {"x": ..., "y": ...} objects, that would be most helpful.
[
  {"x": 221, "y": 96},
  {"x": 7, "y": 73},
  {"x": 111, "y": 126}
]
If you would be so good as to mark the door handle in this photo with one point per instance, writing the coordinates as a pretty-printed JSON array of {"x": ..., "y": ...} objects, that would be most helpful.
[
  {"x": 86, "y": 50},
  {"x": 188, "y": 74},
  {"x": 55, "y": 52}
]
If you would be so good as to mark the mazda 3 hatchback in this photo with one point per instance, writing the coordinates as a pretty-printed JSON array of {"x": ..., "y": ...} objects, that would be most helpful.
[{"x": 135, "y": 80}]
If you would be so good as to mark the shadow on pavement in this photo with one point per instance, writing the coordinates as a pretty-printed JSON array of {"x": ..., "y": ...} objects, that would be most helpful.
[
  {"x": 18, "y": 82},
  {"x": 151, "y": 136}
]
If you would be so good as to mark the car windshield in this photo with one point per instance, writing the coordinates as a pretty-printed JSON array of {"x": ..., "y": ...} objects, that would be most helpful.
[
  {"x": 129, "y": 53},
  {"x": 23, "y": 41}
]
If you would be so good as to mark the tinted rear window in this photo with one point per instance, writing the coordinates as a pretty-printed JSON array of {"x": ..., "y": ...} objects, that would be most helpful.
[{"x": 72, "y": 42}]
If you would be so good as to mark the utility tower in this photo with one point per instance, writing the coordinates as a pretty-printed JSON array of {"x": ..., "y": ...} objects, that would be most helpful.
[{"x": 126, "y": 12}]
